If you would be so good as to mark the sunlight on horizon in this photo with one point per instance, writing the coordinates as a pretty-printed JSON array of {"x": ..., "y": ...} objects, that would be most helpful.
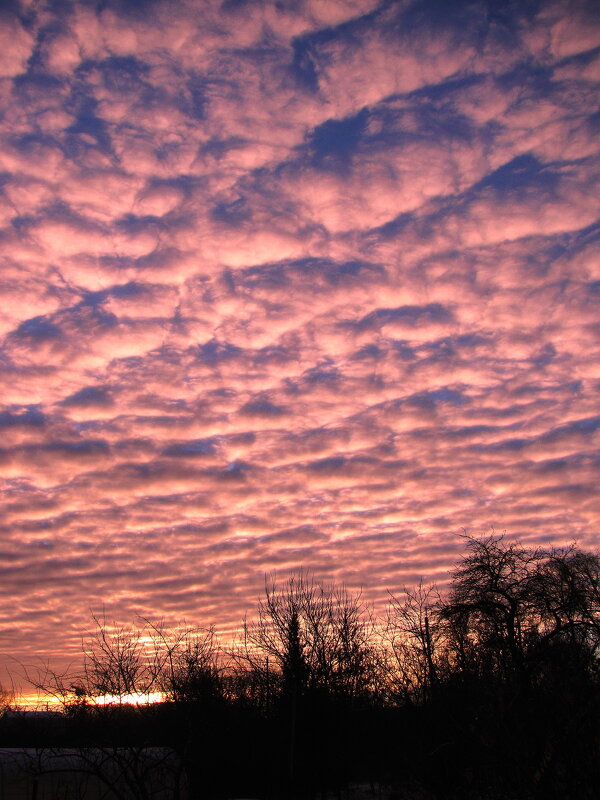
[
  {"x": 133, "y": 699},
  {"x": 35, "y": 702}
]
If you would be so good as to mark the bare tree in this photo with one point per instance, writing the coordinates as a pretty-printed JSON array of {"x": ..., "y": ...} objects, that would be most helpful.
[
  {"x": 188, "y": 661},
  {"x": 490, "y": 607},
  {"x": 7, "y": 700},
  {"x": 565, "y": 592},
  {"x": 506, "y": 601},
  {"x": 507, "y": 605},
  {"x": 107, "y": 702},
  {"x": 415, "y": 640},
  {"x": 311, "y": 650},
  {"x": 315, "y": 637},
  {"x": 120, "y": 663}
]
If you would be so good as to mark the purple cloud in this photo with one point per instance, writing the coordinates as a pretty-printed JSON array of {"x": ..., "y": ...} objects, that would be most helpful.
[{"x": 288, "y": 284}]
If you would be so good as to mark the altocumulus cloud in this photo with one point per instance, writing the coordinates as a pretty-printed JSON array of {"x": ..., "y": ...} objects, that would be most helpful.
[{"x": 298, "y": 283}]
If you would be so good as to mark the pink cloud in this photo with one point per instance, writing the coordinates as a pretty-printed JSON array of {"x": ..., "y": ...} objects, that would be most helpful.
[
  {"x": 308, "y": 284},
  {"x": 16, "y": 46}
]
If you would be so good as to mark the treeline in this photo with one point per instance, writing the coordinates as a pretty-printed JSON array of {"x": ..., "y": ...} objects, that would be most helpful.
[{"x": 490, "y": 691}]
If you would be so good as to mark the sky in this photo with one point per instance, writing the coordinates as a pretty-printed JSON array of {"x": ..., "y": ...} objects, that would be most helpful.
[{"x": 309, "y": 283}]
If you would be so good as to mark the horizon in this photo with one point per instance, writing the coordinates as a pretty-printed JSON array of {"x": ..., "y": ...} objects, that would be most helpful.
[{"x": 59, "y": 688}]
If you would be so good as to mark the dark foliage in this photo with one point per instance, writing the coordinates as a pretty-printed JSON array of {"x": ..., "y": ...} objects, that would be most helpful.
[{"x": 492, "y": 691}]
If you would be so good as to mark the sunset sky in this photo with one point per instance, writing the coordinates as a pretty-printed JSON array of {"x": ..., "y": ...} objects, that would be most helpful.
[{"x": 301, "y": 283}]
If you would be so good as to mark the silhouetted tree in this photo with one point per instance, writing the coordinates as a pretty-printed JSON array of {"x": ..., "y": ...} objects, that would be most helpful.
[
  {"x": 565, "y": 592},
  {"x": 314, "y": 645},
  {"x": 521, "y": 631},
  {"x": 189, "y": 663},
  {"x": 111, "y": 733},
  {"x": 7, "y": 701},
  {"x": 119, "y": 662},
  {"x": 415, "y": 649},
  {"x": 316, "y": 638},
  {"x": 491, "y": 690},
  {"x": 507, "y": 603}
]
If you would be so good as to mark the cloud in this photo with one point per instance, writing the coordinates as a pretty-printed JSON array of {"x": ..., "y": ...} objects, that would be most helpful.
[{"x": 289, "y": 284}]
